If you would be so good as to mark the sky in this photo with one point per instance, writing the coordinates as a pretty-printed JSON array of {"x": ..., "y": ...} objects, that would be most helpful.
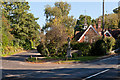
[{"x": 93, "y": 9}]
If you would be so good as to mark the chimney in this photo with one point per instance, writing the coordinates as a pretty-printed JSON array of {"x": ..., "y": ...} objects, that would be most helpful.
[
  {"x": 94, "y": 26},
  {"x": 99, "y": 23},
  {"x": 99, "y": 29}
]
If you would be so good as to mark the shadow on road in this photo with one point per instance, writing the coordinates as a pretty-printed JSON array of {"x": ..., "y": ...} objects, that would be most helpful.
[
  {"x": 22, "y": 56},
  {"x": 58, "y": 74}
]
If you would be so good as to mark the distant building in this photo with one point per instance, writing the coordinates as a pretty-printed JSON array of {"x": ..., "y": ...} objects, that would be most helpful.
[{"x": 91, "y": 33}]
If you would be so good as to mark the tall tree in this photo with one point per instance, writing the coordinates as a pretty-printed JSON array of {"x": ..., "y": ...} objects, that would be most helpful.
[
  {"x": 59, "y": 15},
  {"x": 81, "y": 21},
  {"x": 23, "y": 24},
  {"x": 117, "y": 11},
  {"x": 111, "y": 21}
]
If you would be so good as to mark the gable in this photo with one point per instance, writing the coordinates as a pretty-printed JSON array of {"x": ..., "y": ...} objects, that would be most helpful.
[
  {"x": 89, "y": 29},
  {"x": 107, "y": 32}
]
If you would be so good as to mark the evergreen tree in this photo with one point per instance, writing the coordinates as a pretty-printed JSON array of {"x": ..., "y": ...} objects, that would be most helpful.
[{"x": 23, "y": 24}]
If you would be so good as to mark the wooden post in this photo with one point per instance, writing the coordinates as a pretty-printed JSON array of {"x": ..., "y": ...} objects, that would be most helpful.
[
  {"x": 103, "y": 22},
  {"x": 36, "y": 59}
]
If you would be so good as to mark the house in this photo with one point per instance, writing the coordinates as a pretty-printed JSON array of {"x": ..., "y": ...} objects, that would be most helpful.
[{"x": 91, "y": 33}]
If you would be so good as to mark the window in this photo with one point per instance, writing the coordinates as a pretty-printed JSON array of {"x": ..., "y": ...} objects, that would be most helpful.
[{"x": 86, "y": 39}]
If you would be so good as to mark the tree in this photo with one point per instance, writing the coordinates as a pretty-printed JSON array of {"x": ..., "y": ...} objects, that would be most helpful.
[
  {"x": 110, "y": 42},
  {"x": 111, "y": 21},
  {"x": 23, "y": 24},
  {"x": 59, "y": 15},
  {"x": 81, "y": 21},
  {"x": 57, "y": 37},
  {"x": 6, "y": 36},
  {"x": 117, "y": 11}
]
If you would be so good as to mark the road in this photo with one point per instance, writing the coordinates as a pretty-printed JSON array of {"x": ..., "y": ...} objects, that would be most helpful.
[{"x": 15, "y": 68}]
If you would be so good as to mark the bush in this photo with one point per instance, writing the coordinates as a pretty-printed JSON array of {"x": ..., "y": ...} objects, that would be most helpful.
[
  {"x": 117, "y": 44},
  {"x": 41, "y": 49},
  {"x": 62, "y": 50},
  {"x": 110, "y": 42},
  {"x": 98, "y": 48},
  {"x": 75, "y": 55},
  {"x": 83, "y": 47}
]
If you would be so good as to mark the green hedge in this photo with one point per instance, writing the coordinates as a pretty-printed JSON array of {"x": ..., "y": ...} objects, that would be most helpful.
[
  {"x": 83, "y": 47},
  {"x": 110, "y": 42},
  {"x": 98, "y": 48}
]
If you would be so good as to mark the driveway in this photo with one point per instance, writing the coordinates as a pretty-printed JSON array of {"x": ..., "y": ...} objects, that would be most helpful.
[{"x": 15, "y": 68}]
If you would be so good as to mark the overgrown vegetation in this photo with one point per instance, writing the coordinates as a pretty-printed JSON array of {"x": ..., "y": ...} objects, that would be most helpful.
[
  {"x": 19, "y": 28},
  {"x": 98, "y": 48},
  {"x": 62, "y": 60}
]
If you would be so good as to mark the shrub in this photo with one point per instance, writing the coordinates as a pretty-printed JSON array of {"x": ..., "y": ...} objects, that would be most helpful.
[
  {"x": 83, "y": 47},
  {"x": 62, "y": 50},
  {"x": 98, "y": 48},
  {"x": 75, "y": 55},
  {"x": 41, "y": 49},
  {"x": 110, "y": 42}
]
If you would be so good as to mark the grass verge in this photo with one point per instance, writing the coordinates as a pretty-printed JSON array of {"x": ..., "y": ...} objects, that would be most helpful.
[
  {"x": 62, "y": 60},
  {"x": 10, "y": 53}
]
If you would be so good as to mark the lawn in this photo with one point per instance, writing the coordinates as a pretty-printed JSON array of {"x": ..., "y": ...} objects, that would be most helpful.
[{"x": 63, "y": 60}]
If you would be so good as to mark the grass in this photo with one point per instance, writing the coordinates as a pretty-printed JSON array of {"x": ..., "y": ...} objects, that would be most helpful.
[
  {"x": 78, "y": 59},
  {"x": 10, "y": 53}
]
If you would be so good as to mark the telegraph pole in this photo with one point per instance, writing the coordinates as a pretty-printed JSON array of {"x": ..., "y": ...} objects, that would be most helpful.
[{"x": 103, "y": 22}]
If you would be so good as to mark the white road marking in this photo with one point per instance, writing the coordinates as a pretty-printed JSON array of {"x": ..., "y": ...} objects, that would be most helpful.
[
  {"x": 73, "y": 65},
  {"x": 105, "y": 59},
  {"x": 96, "y": 74},
  {"x": 61, "y": 67}
]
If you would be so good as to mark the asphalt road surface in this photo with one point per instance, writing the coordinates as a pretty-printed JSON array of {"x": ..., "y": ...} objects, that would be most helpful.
[{"x": 15, "y": 68}]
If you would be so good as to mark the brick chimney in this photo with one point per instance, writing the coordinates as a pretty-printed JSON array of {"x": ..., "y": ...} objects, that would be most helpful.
[
  {"x": 99, "y": 23},
  {"x": 94, "y": 26},
  {"x": 99, "y": 27}
]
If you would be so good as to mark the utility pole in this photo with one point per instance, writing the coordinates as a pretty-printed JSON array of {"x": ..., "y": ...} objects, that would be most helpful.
[{"x": 103, "y": 22}]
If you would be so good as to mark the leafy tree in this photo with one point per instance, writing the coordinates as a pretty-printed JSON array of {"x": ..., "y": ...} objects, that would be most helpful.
[
  {"x": 6, "y": 36},
  {"x": 23, "y": 24},
  {"x": 110, "y": 42},
  {"x": 111, "y": 21},
  {"x": 98, "y": 48},
  {"x": 57, "y": 37},
  {"x": 59, "y": 15},
  {"x": 81, "y": 21},
  {"x": 117, "y": 11}
]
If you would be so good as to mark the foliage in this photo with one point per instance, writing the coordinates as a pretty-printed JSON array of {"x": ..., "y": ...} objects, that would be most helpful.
[
  {"x": 75, "y": 55},
  {"x": 117, "y": 11},
  {"x": 41, "y": 49},
  {"x": 57, "y": 37},
  {"x": 111, "y": 21},
  {"x": 19, "y": 26},
  {"x": 117, "y": 44},
  {"x": 81, "y": 21},
  {"x": 58, "y": 15},
  {"x": 83, "y": 47},
  {"x": 110, "y": 42},
  {"x": 98, "y": 48}
]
